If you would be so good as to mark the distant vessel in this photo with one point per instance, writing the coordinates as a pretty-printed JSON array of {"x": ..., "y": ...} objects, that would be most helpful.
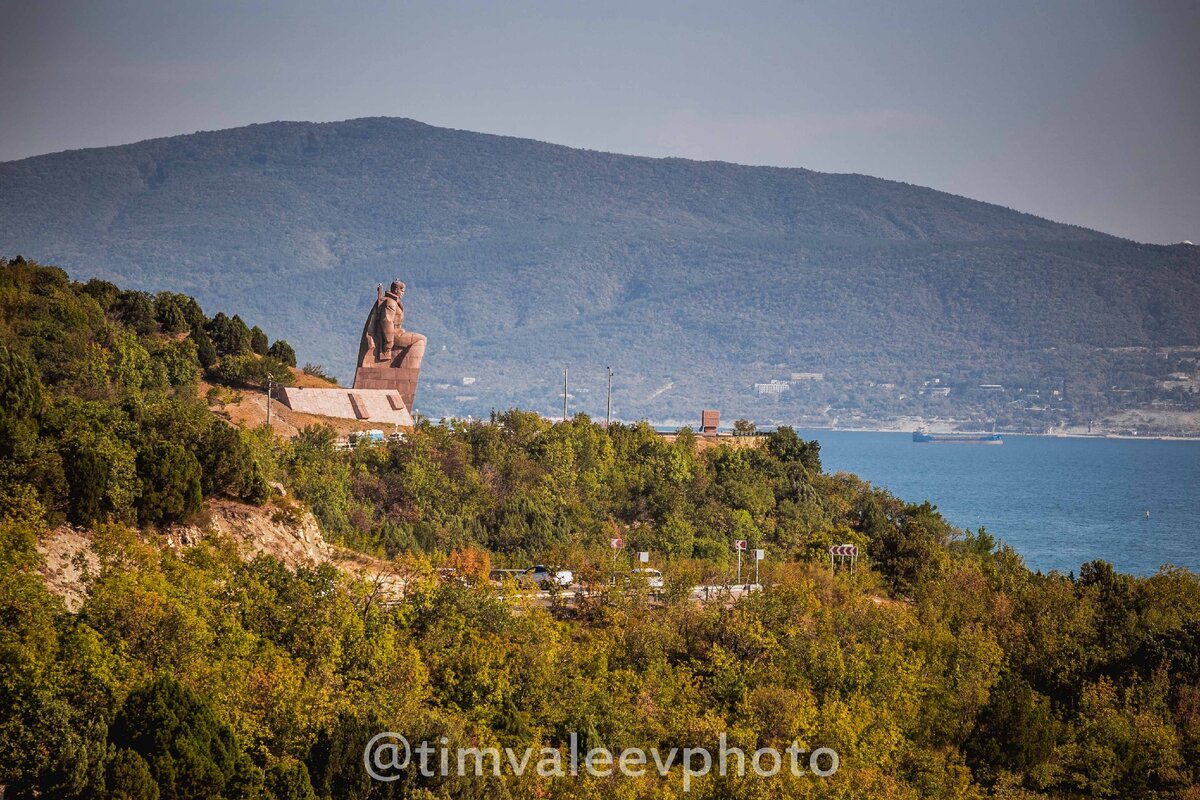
[{"x": 963, "y": 438}]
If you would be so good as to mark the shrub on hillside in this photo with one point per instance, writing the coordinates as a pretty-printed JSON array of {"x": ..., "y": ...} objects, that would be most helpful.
[
  {"x": 282, "y": 351},
  {"x": 249, "y": 370}
]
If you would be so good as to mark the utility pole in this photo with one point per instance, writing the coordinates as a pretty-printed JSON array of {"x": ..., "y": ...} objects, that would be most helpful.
[
  {"x": 270, "y": 386},
  {"x": 565, "y": 371},
  {"x": 608, "y": 412}
]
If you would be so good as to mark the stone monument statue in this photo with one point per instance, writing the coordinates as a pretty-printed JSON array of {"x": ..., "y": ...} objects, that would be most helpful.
[{"x": 389, "y": 357}]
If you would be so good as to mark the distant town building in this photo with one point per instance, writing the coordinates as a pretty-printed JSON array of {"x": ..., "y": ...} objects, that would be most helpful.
[
  {"x": 710, "y": 420},
  {"x": 772, "y": 387},
  {"x": 467, "y": 380},
  {"x": 808, "y": 376}
]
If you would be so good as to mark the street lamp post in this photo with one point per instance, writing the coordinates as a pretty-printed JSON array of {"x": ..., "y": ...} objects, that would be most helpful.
[{"x": 608, "y": 411}]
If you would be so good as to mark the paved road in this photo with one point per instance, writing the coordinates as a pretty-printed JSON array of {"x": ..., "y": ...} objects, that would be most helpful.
[{"x": 702, "y": 594}]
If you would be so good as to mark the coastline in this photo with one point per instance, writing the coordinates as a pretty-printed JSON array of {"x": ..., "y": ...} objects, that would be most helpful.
[
  {"x": 944, "y": 426},
  {"x": 1051, "y": 435}
]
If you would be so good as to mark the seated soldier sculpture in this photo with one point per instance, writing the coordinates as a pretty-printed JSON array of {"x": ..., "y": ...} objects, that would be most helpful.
[{"x": 389, "y": 357}]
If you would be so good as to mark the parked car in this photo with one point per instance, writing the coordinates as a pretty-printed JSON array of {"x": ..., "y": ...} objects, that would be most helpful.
[
  {"x": 652, "y": 577},
  {"x": 542, "y": 576},
  {"x": 451, "y": 575}
]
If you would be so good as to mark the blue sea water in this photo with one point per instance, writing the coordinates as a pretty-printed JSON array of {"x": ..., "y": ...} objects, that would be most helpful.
[{"x": 1059, "y": 502}]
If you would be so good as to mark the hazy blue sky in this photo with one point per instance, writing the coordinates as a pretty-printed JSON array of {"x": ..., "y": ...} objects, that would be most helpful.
[{"x": 1082, "y": 112}]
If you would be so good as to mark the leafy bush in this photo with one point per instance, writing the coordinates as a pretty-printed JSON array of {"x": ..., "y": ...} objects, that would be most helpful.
[{"x": 249, "y": 370}]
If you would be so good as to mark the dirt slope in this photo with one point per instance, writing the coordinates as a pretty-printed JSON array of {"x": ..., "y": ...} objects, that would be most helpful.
[{"x": 290, "y": 535}]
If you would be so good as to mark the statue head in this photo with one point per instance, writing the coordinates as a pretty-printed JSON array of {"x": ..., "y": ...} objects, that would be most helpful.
[{"x": 397, "y": 287}]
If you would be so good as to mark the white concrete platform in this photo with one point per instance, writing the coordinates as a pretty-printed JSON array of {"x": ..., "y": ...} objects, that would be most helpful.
[{"x": 368, "y": 405}]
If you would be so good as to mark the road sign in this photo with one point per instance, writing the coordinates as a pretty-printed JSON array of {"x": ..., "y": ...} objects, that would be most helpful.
[
  {"x": 740, "y": 544},
  {"x": 840, "y": 553},
  {"x": 644, "y": 556},
  {"x": 616, "y": 543},
  {"x": 759, "y": 555}
]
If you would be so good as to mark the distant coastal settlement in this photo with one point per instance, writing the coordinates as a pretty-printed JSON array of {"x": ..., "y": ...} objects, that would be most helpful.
[
  {"x": 1131, "y": 392},
  {"x": 1153, "y": 393},
  {"x": 944, "y": 426},
  {"x": 950, "y": 426}
]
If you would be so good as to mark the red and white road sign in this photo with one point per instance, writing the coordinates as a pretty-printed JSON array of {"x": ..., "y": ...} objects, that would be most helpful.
[
  {"x": 844, "y": 550},
  {"x": 616, "y": 543},
  {"x": 740, "y": 544}
]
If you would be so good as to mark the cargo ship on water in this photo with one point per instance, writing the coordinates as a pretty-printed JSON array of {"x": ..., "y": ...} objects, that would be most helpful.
[{"x": 961, "y": 438}]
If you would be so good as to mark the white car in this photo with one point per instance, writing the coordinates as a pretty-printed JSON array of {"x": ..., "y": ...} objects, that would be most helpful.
[
  {"x": 543, "y": 576},
  {"x": 652, "y": 577}
]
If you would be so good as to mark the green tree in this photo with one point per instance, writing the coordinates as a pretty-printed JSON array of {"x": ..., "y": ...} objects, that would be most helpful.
[
  {"x": 189, "y": 751},
  {"x": 1015, "y": 731},
  {"x": 169, "y": 315},
  {"x": 128, "y": 777},
  {"x": 206, "y": 351},
  {"x": 909, "y": 545},
  {"x": 228, "y": 466},
  {"x": 788, "y": 447},
  {"x": 179, "y": 361},
  {"x": 258, "y": 341},
  {"x": 320, "y": 478},
  {"x": 176, "y": 313},
  {"x": 135, "y": 310},
  {"x": 229, "y": 335},
  {"x": 283, "y": 352},
  {"x": 103, "y": 292},
  {"x": 131, "y": 366},
  {"x": 101, "y": 474},
  {"x": 288, "y": 780},
  {"x": 744, "y": 427},
  {"x": 170, "y": 479},
  {"x": 20, "y": 387}
]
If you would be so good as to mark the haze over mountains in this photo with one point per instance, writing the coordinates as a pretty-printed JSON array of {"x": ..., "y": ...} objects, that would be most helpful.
[{"x": 693, "y": 280}]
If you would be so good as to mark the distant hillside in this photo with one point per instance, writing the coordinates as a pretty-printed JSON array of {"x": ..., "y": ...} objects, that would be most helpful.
[{"x": 692, "y": 280}]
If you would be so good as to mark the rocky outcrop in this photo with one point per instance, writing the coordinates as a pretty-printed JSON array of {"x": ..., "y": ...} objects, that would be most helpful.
[
  {"x": 68, "y": 563},
  {"x": 290, "y": 534},
  {"x": 284, "y": 531}
]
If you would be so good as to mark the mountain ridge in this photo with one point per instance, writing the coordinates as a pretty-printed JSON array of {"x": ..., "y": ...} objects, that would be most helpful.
[
  {"x": 717, "y": 162},
  {"x": 412, "y": 124}
]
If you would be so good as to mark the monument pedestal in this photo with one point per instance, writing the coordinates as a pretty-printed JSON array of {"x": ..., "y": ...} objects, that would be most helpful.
[
  {"x": 399, "y": 379},
  {"x": 384, "y": 406}
]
